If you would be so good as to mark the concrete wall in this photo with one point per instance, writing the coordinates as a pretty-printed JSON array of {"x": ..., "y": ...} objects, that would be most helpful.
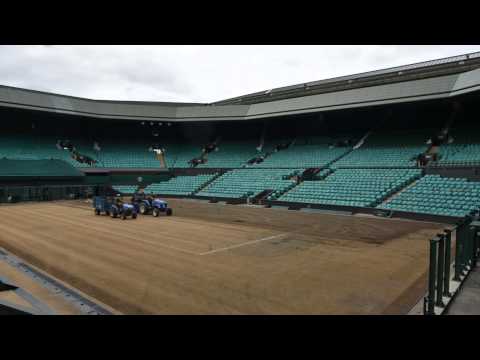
[{"x": 471, "y": 173}]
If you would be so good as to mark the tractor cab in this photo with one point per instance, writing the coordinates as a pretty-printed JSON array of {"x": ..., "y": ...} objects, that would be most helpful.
[
  {"x": 149, "y": 205},
  {"x": 161, "y": 204}
]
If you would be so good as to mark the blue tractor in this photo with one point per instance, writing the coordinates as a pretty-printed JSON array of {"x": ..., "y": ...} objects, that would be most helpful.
[
  {"x": 148, "y": 205},
  {"x": 114, "y": 208}
]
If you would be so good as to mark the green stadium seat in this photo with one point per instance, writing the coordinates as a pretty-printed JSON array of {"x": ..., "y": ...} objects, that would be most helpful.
[
  {"x": 437, "y": 195},
  {"x": 180, "y": 185}
]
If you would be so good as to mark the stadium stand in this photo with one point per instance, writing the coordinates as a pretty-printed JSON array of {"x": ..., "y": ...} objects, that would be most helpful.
[
  {"x": 129, "y": 154},
  {"x": 387, "y": 150},
  {"x": 180, "y": 185},
  {"x": 437, "y": 195},
  {"x": 230, "y": 155},
  {"x": 242, "y": 183},
  {"x": 322, "y": 174},
  {"x": 352, "y": 187},
  {"x": 464, "y": 151},
  {"x": 179, "y": 155},
  {"x": 29, "y": 147},
  {"x": 125, "y": 189},
  {"x": 305, "y": 153},
  {"x": 37, "y": 168}
]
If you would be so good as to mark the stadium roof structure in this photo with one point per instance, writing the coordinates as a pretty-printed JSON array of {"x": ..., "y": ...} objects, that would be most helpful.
[{"x": 436, "y": 79}]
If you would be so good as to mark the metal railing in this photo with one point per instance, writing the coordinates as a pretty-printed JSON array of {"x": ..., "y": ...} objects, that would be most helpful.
[{"x": 442, "y": 284}]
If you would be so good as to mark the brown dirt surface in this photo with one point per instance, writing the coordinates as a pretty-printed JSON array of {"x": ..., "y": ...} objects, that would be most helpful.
[{"x": 225, "y": 259}]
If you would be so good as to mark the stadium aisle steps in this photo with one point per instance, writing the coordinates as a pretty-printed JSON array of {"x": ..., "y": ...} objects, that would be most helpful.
[
  {"x": 208, "y": 182},
  {"x": 394, "y": 195}
]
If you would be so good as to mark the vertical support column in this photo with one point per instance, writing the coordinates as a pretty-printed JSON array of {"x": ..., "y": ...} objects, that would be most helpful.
[
  {"x": 432, "y": 277},
  {"x": 475, "y": 241},
  {"x": 440, "y": 269},
  {"x": 469, "y": 237},
  {"x": 473, "y": 248},
  {"x": 468, "y": 243},
  {"x": 476, "y": 247},
  {"x": 448, "y": 259},
  {"x": 458, "y": 252}
]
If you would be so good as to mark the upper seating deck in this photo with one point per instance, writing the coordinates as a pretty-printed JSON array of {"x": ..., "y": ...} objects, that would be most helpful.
[
  {"x": 387, "y": 149},
  {"x": 465, "y": 149},
  {"x": 304, "y": 153}
]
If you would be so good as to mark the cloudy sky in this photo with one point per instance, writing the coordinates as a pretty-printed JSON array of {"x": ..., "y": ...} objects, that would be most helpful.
[{"x": 195, "y": 73}]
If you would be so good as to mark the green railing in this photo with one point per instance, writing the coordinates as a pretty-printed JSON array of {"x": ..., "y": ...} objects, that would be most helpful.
[{"x": 442, "y": 286}]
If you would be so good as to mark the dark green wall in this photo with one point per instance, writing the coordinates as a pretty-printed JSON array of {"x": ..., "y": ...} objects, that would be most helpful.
[{"x": 126, "y": 179}]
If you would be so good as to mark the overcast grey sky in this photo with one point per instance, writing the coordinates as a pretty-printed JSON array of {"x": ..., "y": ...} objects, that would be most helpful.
[{"x": 195, "y": 73}]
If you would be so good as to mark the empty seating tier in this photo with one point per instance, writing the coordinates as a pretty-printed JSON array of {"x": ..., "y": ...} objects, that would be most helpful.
[
  {"x": 126, "y": 154},
  {"x": 464, "y": 151},
  {"x": 242, "y": 183},
  {"x": 179, "y": 155},
  {"x": 230, "y": 155},
  {"x": 125, "y": 189},
  {"x": 37, "y": 168},
  {"x": 352, "y": 187},
  {"x": 437, "y": 195},
  {"x": 387, "y": 150},
  {"x": 180, "y": 185},
  {"x": 322, "y": 174},
  {"x": 304, "y": 154},
  {"x": 29, "y": 147}
]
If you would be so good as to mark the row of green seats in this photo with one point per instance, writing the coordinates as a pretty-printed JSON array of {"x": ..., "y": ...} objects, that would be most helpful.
[
  {"x": 361, "y": 187},
  {"x": 464, "y": 150},
  {"x": 125, "y": 189},
  {"x": 178, "y": 155},
  {"x": 37, "y": 168},
  {"x": 180, "y": 185},
  {"x": 232, "y": 154},
  {"x": 250, "y": 182},
  {"x": 438, "y": 195},
  {"x": 305, "y": 156},
  {"x": 387, "y": 149}
]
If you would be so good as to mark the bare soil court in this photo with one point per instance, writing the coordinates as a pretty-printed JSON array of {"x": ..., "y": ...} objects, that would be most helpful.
[{"x": 226, "y": 259}]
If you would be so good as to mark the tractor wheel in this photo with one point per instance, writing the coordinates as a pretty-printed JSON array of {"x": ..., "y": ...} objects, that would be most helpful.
[
  {"x": 156, "y": 212},
  {"x": 97, "y": 212},
  {"x": 169, "y": 212},
  {"x": 143, "y": 209}
]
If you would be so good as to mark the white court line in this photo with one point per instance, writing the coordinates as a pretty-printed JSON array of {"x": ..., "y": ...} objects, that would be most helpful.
[
  {"x": 172, "y": 248},
  {"x": 243, "y": 244}
]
